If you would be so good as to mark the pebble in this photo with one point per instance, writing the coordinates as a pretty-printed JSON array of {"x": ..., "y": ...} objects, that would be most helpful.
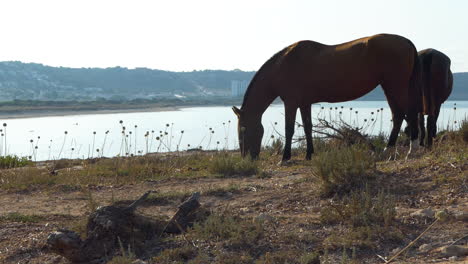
[
  {"x": 428, "y": 212},
  {"x": 461, "y": 216},
  {"x": 455, "y": 251},
  {"x": 265, "y": 217},
  {"x": 425, "y": 248},
  {"x": 453, "y": 259}
]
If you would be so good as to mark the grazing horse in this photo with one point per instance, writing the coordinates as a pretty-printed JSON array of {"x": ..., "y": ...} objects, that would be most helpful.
[
  {"x": 437, "y": 82},
  {"x": 309, "y": 72}
]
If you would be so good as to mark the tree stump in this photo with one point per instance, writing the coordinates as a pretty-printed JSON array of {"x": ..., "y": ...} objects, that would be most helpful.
[{"x": 111, "y": 229}]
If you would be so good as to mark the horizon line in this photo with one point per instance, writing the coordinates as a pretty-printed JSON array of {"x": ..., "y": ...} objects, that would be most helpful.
[{"x": 142, "y": 67}]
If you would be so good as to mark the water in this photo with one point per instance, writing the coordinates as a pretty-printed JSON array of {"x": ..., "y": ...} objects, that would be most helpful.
[{"x": 206, "y": 127}]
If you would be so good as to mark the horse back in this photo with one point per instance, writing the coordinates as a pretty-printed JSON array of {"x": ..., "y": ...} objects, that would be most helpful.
[
  {"x": 437, "y": 79},
  {"x": 315, "y": 72}
]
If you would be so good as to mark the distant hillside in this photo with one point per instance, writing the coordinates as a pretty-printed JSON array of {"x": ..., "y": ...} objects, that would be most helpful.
[
  {"x": 30, "y": 81},
  {"x": 460, "y": 86}
]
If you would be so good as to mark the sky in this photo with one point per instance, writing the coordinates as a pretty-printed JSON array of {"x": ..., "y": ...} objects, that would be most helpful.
[{"x": 188, "y": 35}]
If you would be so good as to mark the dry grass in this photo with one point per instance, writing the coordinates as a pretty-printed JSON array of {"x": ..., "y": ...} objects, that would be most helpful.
[
  {"x": 123, "y": 171},
  {"x": 340, "y": 170},
  {"x": 228, "y": 164},
  {"x": 355, "y": 221}
]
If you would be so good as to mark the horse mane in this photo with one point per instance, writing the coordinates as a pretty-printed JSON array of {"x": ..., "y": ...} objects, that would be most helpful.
[{"x": 265, "y": 66}]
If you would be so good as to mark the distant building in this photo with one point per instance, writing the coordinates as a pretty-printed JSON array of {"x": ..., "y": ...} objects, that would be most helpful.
[{"x": 238, "y": 88}]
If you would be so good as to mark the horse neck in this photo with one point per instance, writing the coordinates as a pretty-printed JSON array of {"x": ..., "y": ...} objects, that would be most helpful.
[{"x": 258, "y": 100}]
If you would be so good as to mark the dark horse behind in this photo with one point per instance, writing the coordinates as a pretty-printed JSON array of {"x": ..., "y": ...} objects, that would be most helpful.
[
  {"x": 437, "y": 83},
  {"x": 309, "y": 72}
]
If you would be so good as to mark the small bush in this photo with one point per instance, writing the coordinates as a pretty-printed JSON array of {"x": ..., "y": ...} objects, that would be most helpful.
[
  {"x": 17, "y": 217},
  {"x": 343, "y": 169},
  {"x": 233, "y": 258},
  {"x": 176, "y": 255},
  {"x": 275, "y": 147},
  {"x": 25, "y": 178},
  {"x": 310, "y": 258},
  {"x": 288, "y": 257},
  {"x": 360, "y": 209},
  {"x": 7, "y": 162},
  {"x": 367, "y": 218},
  {"x": 464, "y": 130},
  {"x": 121, "y": 260},
  {"x": 230, "y": 165},
  {"x": 278, "y": 257},
  {"x": 229, "y": 230}
]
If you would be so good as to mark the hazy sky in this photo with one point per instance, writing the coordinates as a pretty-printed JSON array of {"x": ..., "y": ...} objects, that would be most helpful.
[{"x": 220, "y": 34}]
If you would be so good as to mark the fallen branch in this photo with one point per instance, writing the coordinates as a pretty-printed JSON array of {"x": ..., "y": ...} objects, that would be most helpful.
[
  {"x": 110, "y": 228},
  {"x": 412, "y": 242},
  {"x": 184, "y": 216}
]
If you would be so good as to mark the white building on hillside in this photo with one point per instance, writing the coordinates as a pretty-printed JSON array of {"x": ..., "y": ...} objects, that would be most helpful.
[{"x": 238, "y": 88}]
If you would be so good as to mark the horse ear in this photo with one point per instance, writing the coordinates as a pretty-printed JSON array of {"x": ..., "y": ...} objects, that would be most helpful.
[{"x": 237, "y": 111}]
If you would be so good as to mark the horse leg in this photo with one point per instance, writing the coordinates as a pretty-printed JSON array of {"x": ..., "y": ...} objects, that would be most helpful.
[
  {"x": 397, "y": 120},
  {"x": 290, "y": 113},
  {"x": 412, "y": 118},
  {"x": 432, "y": 126},
  {"x": 422, "y": 129},
  {"x": 307, "y": 123}
]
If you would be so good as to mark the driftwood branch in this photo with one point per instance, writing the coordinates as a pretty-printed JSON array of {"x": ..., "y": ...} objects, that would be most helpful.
[
  {"x": 411, "y": 243},
  {"x": 132, "y": 207},
  {"x": 111, "y": 227},
  {"x": 184, "y": 215}
]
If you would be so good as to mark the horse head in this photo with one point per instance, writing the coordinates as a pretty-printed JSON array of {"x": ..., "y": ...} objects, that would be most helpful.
[{"x": 250, "y": 133}]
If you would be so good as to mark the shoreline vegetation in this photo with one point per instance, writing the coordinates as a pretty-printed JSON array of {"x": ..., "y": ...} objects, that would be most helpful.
[
  {"x": 31, "y": 109},
  {"x": 35, "y": 109}
]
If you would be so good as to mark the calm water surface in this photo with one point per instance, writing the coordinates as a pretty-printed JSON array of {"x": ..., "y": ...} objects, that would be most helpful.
[{"x": 207, "y": 127}]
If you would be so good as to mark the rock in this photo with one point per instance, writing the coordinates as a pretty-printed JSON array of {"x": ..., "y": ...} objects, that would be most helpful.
[
  {"x": 461, "y": 216},
  {"x": 395, "y": 251},
  {"x": 442, "y": 215},
  {"x": 265, "y": 218},
  {"x": 453, "y": 259},
  {"x": 428, "y": 213},
  {"x": 455, "y": 251},
  {"x": 245, "y": 210},
  {"x": 425, "y": 248}
]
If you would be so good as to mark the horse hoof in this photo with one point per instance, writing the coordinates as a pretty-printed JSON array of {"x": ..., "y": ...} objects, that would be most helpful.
[{"x": 392, "y": 153}]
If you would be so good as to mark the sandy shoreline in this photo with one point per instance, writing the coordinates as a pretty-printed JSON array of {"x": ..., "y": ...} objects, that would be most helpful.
[{"x": 58, "y": 112}]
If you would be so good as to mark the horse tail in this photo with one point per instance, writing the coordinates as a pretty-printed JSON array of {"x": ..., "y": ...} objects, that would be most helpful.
[
  {"x": 429, "y": 104},
  {"x": 450, "y": 83},
  {"x": 416, "y": 87}
]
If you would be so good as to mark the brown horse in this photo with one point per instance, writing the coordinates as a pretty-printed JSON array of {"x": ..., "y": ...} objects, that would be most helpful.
[
  {"x": 437, "y": 82},
  {"x": 309, "y": 72}
]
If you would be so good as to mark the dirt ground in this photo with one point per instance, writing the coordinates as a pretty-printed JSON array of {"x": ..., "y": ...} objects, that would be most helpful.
[{"x": 291, "y": 203}]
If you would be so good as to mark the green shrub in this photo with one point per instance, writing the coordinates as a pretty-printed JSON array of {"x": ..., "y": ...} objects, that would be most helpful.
[
  {"x": 229, "y": 230},
  {"x": 275, "y": 147},
  {"x": 17, "y": 217},
  {"x": 230, "y": 165},
  {"x": 343, "y": 169},
  {"x": 464, "y": 130},
  {"x": 310, "y": 258},
  {"x": 7, "y": 162},
  {"x": 367, "y": 219},
  {"x": 176, "y": 255},
  {"x": 121, "y": 260},
  {"x": 360, "y": 209}
]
